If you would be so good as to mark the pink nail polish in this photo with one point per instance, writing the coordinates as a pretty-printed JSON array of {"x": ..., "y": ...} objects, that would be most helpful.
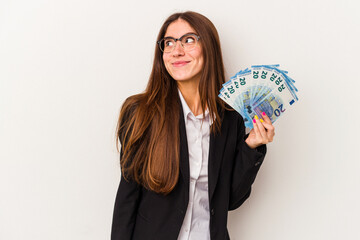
[
  {"x": 254, "y": 121},
  {"x": 263, "y": 113}
]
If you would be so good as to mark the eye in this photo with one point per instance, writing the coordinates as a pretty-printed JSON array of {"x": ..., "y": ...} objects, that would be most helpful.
[
  {"x": 189, "y": 40},
  {"x": 168, "y": 43}
]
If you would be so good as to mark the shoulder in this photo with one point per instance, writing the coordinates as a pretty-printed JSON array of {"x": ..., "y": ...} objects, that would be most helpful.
[
  {"x": 127, "y": 115},
  {"x": 232, "y": 124},
  {"x": 231, "y": 116},
  {"x": 130, "y": 106}
]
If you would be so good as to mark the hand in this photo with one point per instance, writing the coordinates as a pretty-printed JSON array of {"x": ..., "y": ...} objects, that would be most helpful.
[{"x": 262, "y": 133}]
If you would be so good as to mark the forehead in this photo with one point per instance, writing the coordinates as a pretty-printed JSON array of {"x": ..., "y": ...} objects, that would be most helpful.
[{"x": 178, "y": 28}]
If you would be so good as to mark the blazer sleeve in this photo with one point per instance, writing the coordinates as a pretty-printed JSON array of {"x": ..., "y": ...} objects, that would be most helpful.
[
  {"x": 247, "y": 163},
  {"x": 125, "y": 210},
  {"x": 126, "y": 206}
]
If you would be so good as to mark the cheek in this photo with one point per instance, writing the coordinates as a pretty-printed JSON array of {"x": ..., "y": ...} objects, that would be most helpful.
[
  {"x": 166, "y": 62},
  {"x": 201, "y": 62},
  {"x": 200, "y": 58}
]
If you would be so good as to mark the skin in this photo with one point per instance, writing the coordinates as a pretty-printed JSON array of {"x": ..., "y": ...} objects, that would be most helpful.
[
  {"x": 187, "y": 75},
  {"x": 186, "y": 68},
  {"x": 262, "y": 133}
]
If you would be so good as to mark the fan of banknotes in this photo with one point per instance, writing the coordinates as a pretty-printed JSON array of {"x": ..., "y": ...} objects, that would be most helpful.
[{"x": 261, "y": 88}]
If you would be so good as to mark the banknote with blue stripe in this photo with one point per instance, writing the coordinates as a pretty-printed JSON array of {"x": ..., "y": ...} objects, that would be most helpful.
[{"x": 260, "y": 88}]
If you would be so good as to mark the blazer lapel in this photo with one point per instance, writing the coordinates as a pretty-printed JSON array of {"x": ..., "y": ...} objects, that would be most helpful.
[
  {"x": 216, "y": 151},
  {"x": 184, "y": 155}
]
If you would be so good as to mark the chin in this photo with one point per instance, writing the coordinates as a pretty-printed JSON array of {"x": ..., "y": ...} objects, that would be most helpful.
[
  {"x": 184, "y": 75},
  {"x": 181, "y": 79}
]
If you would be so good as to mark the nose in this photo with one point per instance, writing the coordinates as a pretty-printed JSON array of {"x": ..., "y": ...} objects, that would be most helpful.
[{"x": 178, "y": 49}]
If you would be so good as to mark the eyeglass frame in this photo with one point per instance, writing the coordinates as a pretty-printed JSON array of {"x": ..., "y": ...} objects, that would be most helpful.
[{"x": 177, "y": 39}]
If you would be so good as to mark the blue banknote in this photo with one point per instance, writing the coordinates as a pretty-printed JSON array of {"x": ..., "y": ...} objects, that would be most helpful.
[{"x": 261, "y": 88}]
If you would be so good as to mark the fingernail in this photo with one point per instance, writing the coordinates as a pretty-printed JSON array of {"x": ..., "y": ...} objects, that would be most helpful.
[
  {"x": 263, "y": 113},
  {"x": 254, "y": 121},
  {"x": 256, "y": 117},
  {"x": 261, "y": 120}
]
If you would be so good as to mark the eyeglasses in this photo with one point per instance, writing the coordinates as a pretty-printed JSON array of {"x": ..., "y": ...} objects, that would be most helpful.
[{"x": 188, "y": 42}]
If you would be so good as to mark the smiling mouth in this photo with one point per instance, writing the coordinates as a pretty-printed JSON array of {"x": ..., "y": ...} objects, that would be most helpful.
[{"x": 180, "y": 63}]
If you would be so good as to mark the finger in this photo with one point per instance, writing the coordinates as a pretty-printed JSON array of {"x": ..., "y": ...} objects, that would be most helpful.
[
  {"x": 261, "y": 130},
  {"x": 269, "y": 127},
  {"x": 256, "y": 129},
  {"x": 266, "y": 118},
  {"x": 270, "y": 130}
]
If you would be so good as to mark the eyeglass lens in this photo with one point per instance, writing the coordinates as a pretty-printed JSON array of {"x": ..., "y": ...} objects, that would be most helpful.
[{"x": 188, "y": 42}]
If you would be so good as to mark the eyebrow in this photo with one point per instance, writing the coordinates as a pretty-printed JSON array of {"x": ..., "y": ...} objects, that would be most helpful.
[{"x": 181, "y": 35}]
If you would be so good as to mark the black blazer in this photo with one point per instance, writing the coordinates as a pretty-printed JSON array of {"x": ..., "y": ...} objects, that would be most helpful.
[{"x": 140, "y": 214}]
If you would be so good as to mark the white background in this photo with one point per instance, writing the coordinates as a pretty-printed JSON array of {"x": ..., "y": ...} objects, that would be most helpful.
[{"x": 66, "y": 67}]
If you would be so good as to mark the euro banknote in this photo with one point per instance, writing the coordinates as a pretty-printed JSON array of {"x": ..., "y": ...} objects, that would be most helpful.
[{"x": 260, "y": 88}]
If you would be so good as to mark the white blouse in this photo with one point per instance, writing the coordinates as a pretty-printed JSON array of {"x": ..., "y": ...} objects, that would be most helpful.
[{"x": 197, "y": 218}]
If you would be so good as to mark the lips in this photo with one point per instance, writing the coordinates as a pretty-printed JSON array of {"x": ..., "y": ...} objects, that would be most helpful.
[{"x": 180, "y": 63}]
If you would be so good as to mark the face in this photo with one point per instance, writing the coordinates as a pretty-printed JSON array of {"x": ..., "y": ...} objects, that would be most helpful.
[{"x": 183, "y": 65}]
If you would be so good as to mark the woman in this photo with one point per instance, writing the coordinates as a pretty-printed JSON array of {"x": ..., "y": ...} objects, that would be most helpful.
[{"x": 185, "y": 158}]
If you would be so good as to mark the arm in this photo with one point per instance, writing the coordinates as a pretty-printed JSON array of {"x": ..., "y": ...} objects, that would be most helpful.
[
  {"x": 127, "y": 200},
  {"x": 125, "y": 210},
  {"x": 246, "y": 165}
]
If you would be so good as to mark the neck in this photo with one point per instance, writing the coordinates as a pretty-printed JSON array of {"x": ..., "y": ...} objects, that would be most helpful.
[{"x": 190, "y": 92}]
